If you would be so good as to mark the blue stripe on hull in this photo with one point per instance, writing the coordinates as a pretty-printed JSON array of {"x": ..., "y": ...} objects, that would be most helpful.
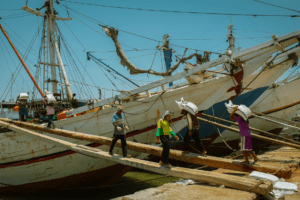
[{"x": 221, "y": 111}]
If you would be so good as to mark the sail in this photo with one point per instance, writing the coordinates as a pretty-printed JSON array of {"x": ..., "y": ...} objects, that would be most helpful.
[{"x": 113, "y": 33}]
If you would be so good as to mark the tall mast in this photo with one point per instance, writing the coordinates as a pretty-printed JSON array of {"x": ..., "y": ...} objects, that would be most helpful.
[
  {"x": 53, "y": 51},
  {"x": 231, "y": 39},
  {"x": 51, "y": 25}
]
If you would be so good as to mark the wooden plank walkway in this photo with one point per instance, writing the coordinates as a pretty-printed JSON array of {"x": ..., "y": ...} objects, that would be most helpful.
[
  {"x": 242, "y": 183},
  {"x": 217, "y": 162}
]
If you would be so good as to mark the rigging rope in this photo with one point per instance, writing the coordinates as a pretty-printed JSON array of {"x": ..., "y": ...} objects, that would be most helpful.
[
  {"x": 221, "y": 134},
  {"x": 275, "y": 87},
  {"x": 278, "y": 6},
  {"x": 103, "y": 24},
  {"x": 183, "y": 12},
  {"x": 66, "y": 46},
  {"x": 25, "y": 57}
]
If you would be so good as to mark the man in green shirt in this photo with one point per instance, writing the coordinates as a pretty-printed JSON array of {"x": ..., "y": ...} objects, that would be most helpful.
[{"x": 163, "y": 133}]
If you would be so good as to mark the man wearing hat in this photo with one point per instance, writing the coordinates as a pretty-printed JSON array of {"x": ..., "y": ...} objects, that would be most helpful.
[
  {"x": 163, "y": 133},
  {"x": 119, "y": 133},
  {"x": 189, "y": 110},
  {"x": 22, "y": 103}
]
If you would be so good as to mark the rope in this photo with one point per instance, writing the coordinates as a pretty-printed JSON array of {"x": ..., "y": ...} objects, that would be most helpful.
[
  {"x": 267, "y": 65},
  {"x": 221, "y": 134},
  {"x": 148, "y": 108},
  {"x": 257, "y": 184},
  {"x": 183, "y": 12},
  {"x": 66, "y": 45},
  {"x": 153, "y": 58},
  {"x": 103, "y": 24},
  {"x": 281, "y": 169},
  {"x": 276, "y": 87},
  {"x": 25, "y": 57},
  {"x": 277, "y": 6}
]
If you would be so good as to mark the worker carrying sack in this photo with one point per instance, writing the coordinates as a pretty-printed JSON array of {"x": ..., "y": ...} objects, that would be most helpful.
[
  {"x": 188, "y": 106},
  {"x": 23, "y": 96},
  {"x": 49, "y": 97},
  {"x": 242, "y": 111}
]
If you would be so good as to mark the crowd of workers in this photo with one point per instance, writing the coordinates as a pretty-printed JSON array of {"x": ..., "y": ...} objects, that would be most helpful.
[{"x": 164, "y": 130}]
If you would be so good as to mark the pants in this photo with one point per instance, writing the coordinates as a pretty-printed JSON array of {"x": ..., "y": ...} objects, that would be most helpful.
[
  {"x": 22, "y": 118},
  {"x": 246, "y": 144},
  {"x": 50, "y": 122},
  {"x": 187, "y": 139},
  {"x": 165, "y": 139},
  {"x": 123, "y": 142}
]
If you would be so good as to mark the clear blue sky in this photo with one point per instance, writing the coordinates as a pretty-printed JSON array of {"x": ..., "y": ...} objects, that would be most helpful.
[{"x": 212, "y": 28}]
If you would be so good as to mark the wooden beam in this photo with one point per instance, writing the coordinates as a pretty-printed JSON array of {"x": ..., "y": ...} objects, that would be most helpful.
[
  {"x": 241, "y": 183},
  {"x": 252, "y": 134},
  {"x": 253, "y": 129},
  {"x": 156, "y": 151}
]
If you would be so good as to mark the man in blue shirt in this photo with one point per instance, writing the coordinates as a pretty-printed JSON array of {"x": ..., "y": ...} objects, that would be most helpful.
[{"x": 119, "y": 132}]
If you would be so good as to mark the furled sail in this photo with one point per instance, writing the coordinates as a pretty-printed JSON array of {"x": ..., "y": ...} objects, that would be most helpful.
[{"x": 113, "y": 33}]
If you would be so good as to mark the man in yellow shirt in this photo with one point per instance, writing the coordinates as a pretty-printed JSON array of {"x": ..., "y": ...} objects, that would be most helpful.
[{"x": 163, "y": 133}]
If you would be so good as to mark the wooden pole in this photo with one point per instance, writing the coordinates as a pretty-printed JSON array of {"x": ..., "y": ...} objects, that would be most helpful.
[
  {"x": 253, "y": 129},
  {"x": 35, "y": 83},
  {"x": 241, "y": 183},
  {"x": 252, "y": 134},
  {"x": 174, "y": 154}
]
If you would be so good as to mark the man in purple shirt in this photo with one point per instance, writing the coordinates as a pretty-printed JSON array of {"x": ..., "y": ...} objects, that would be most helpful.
[{"x": 246, "y": 145}]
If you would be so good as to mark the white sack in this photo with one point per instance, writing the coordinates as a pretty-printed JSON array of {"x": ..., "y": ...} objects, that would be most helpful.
[
  {"x": 23, "y": 96},
  {"x": 242, "y": 111},
  {"x": 264, "y": 176},
  {"x": 285, "y": 186},
  {"x": 188, "y": 106}
]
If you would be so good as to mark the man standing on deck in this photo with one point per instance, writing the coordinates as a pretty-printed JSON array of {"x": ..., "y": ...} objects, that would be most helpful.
[
  {"x": 22, "y": 103},
  {"x": 163, "y": 133},
  {"x": 246, "y": 145},
  {"x": 50, "y": 112},
  {"x": 193, "y": 126},
  {"x": 119, "y": 133}
]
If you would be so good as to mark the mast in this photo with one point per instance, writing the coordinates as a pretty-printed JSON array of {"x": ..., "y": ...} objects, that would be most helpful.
[
  {"x": 21, "y": 60},
  {"x": 51, "y": 25},
  {"x": 231, "y": 39},
  {"x": 52, "y": 47}
]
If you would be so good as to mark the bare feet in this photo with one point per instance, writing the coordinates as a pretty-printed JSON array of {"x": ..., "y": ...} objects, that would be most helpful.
[
  {"x": 250, "y": 155},
  {"x": 167, "y": 165},
  {"x": 203, "y": 153},
  {"x": 246, "y": 157}
]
